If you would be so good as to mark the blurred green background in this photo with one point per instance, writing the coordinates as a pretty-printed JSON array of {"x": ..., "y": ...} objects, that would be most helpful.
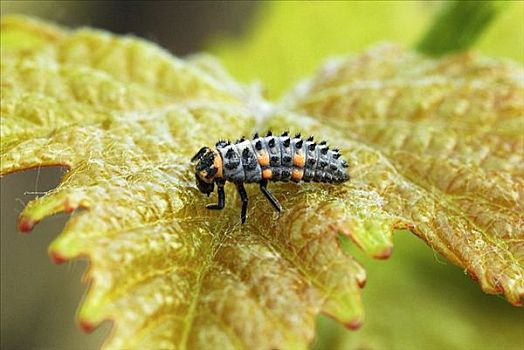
[{"x": 415, "y": 300}]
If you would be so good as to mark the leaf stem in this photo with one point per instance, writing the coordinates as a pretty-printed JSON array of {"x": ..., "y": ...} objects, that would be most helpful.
[{"x": 458, "y": 25}]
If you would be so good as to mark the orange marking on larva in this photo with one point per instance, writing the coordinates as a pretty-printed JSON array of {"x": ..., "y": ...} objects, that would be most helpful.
[
  {"x": 297, "y": 174},
  {"x": 299, "y": 160},
  {"x": 267, "y": 173},
  {"x": 217, "y": 163},
  {"x": 263, "y": 159}
]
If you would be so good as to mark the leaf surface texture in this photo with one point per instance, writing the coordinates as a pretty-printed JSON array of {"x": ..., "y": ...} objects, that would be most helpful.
[{"x": 434, "y": 147}]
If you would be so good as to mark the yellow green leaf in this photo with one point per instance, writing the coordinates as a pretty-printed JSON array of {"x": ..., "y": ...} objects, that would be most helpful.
[
  {"x": 418, "y": 300},
  {"x": 433, "y": 145},
  {"x": 165, "y": 270},
  {"x": 450, "y": 136}
]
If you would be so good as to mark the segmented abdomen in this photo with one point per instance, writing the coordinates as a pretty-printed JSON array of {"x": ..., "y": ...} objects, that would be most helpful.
[{"x": 281, "y": 158}]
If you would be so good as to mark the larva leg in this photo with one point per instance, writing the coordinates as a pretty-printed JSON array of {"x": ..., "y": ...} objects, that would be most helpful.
[
  {"x": 269, "y": 196},
  {"x": 221, "y": 198},
  {"x": 243, "y": 197}
]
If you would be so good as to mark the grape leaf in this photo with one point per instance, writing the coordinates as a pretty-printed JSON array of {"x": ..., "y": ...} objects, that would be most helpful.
[
  {"x": 452, "y": 132},
  {"x": 168, "y": 272},
  {"x": 125, "y": 117},
  {"x": 285, "y": 49}
]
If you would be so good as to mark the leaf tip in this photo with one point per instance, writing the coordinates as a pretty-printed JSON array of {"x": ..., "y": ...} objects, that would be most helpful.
[
  {"x": 69, "y": 207},
  {"x": 473, "y": 275},
  {"x": 385, "y": 253},
  {"x": 57, "y": 258},
  {"x": 25, "y": 225},
  {"x": 86, "y": 326},
  {"x": 354, "y": 325}
]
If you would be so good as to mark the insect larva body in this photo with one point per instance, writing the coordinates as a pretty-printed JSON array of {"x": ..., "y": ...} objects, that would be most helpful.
[{"x": 263, "y": 159}]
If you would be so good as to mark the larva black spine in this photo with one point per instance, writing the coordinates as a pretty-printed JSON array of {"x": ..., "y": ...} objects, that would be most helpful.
[
  {"x": 264, "y": 159},
  {"x": 287, "y": 159}
]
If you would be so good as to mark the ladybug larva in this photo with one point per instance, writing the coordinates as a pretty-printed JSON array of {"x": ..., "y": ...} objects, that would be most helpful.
[{"x": 264, "y": 159}]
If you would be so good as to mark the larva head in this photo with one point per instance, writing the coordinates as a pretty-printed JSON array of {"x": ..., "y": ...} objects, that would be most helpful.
[{"x": 208, "y": 167}]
